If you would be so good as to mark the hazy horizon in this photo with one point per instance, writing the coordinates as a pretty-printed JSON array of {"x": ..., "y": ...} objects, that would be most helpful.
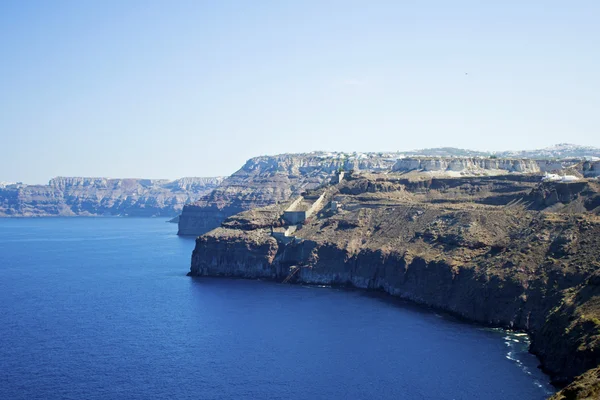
[{"x": 151, "y": 89}]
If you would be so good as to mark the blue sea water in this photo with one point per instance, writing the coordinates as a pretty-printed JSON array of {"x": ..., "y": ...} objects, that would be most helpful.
[{"x": 101, "y": 308}]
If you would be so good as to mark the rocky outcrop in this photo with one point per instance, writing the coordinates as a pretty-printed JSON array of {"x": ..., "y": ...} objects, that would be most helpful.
[
  {"x": 581, "y": 196},
  {"x": 590, "y": 169},
  {"x": 496, "y": 263},
  {"x": 76, "y": 196},
  {"x": 577, "y": 167}
]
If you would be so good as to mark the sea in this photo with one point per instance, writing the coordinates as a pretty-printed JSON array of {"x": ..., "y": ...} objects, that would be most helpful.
[{"x": 101, "y": 308}]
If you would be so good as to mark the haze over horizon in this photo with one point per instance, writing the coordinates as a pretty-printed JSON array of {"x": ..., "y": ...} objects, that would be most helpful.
[{"x": 152, "y": 89}]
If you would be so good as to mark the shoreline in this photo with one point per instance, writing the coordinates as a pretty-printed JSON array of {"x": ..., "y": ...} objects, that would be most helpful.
[{"x": 406, "y": 302}]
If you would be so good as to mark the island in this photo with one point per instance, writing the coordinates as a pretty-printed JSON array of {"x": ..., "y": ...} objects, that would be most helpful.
[{"x": 78, "y": 196}]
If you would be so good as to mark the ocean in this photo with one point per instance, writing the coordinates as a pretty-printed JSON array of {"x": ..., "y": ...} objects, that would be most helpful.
[{"x": 101, "y": 308}]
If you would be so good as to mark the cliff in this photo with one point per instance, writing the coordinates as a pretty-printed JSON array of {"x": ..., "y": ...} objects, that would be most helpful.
[
  {"x": 73, "y": 196},
  {"x": 467, "y": 166},
  {"x": 478, "y": 247},
  {"x": 270, "y": 179}
]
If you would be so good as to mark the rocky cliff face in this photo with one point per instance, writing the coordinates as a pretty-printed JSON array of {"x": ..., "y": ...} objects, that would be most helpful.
[
  {"x": 267, "y": 180},
  {"x": 590, "y": 169},
  {"x": 466, "y": 166},
  {"x": 270, "y": 179},
  {"x": 575, "y": 197},
  {"x": 446, "y": 245},
  {"x": 70, "y": 196}
]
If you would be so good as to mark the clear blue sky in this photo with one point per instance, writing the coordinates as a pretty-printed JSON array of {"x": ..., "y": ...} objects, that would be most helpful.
[{"x": 164, "y": 89}]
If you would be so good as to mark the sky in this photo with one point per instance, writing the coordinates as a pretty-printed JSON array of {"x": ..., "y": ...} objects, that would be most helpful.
[{"x": 166, "y": 89}]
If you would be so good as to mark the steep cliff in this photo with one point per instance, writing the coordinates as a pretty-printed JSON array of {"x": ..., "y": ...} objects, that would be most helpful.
[
  {"x": 70, "y": 196},
  {"x": 270, "y": 179},
  {"x": 455, "y": 244},
  {"x": 466, "y": 166},
  {"x": 575, "y": 197}
]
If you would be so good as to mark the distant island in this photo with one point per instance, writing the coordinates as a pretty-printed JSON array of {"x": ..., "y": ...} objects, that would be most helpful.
[{"x": 77, "y": 196}]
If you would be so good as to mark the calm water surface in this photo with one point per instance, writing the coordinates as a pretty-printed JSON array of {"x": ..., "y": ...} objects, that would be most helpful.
[{"x": 95, "y": 308}]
